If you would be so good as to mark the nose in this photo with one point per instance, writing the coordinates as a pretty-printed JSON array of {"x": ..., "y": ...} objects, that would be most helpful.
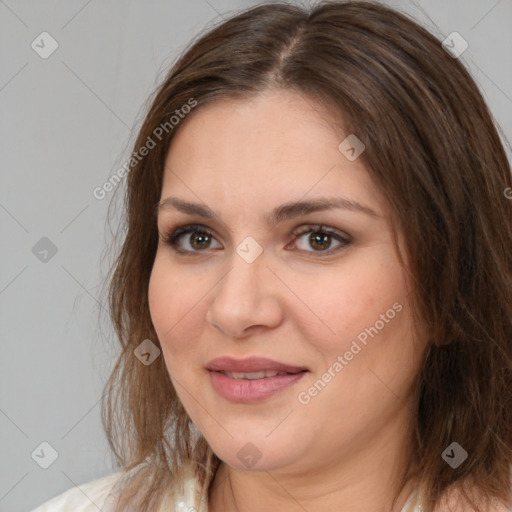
[{"x": 245, "y": 299}]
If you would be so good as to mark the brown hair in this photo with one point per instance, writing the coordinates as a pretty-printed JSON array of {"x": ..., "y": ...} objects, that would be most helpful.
[{"x": 435, "y": 153}]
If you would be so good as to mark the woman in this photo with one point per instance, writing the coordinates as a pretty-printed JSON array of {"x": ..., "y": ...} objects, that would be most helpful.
[{"x": 314, "y": 294}]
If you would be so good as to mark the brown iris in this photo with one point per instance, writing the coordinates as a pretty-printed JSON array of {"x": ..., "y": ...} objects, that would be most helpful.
[
  {"x": 200, "y": 240},
  {"x": 320, "y": 240}
]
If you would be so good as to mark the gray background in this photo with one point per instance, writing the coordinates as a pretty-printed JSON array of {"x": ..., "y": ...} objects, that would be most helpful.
[{"x": 66, "y": 125}]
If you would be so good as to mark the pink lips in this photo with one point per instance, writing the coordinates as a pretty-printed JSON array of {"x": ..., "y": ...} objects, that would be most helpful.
[{"x": 248, "y": 391}]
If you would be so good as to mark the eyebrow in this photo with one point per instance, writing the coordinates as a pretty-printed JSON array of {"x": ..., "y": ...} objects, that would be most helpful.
[{"x": 279, "y": 214}]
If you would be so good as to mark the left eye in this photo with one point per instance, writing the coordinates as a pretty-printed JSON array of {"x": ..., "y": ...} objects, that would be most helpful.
[{"x": 320, "y": 239}]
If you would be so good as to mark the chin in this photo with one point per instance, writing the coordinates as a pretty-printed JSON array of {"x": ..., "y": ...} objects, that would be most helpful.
[{"x": 255, "y": 456}]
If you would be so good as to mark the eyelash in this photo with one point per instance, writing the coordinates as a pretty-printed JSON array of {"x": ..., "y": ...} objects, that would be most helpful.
[{"x": 172, "y": 237}]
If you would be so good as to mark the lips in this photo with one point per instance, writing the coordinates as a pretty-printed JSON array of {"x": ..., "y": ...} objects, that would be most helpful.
[
  {"x": 252, "y": 364},
  {"x": 251, "y": 380}
]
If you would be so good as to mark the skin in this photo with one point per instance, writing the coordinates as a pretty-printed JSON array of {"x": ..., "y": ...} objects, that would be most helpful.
[{"x": 294, "y": 304}]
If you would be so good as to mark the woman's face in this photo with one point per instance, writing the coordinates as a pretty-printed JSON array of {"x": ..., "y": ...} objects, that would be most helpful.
[{"x": 259, "y": 279}]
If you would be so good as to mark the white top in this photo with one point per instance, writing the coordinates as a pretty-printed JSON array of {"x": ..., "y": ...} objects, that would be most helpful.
[
  {"x": 96, "y": 495},
  {"x": 87, "y": 497}
]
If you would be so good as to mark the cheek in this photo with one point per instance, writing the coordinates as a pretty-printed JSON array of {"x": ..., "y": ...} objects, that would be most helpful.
[
  {"x": 167, "y": 302},
  {"x": 177, "y": 308},
  {"x": 350, "y": 301}
]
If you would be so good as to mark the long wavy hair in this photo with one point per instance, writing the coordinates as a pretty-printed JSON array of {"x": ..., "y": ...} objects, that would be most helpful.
[{"x": 432, "y": 147}]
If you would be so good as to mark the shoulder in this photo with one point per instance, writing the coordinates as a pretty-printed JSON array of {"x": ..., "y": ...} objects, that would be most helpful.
[
  {"x": 103, "y": 493},
  {"x": 86, "y": 497}
]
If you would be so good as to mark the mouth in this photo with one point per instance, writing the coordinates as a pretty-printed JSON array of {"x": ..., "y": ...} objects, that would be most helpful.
[{"x": 251, "y": 380}]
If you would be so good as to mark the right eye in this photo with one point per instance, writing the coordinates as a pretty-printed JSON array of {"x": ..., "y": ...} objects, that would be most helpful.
[{"x": 190, "y": 238}]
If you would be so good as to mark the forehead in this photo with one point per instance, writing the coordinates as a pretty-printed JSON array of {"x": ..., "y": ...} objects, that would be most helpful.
[
  {"x": 276, "y": 146},
  {"x": 269, "y": 122}
]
